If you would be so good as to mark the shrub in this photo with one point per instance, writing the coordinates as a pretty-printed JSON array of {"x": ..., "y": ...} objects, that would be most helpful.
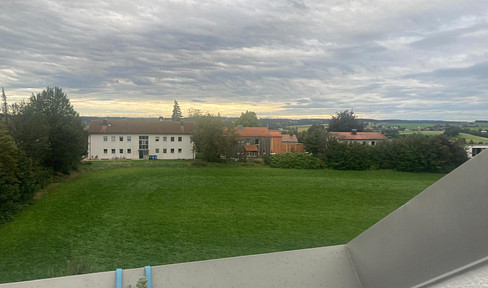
[
  {"x": 294, "y": 160},
  {"x": 348, "y": 156}
]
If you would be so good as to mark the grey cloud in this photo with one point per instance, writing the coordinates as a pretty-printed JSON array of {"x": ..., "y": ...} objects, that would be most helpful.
[{"x": 308, "y": 57}]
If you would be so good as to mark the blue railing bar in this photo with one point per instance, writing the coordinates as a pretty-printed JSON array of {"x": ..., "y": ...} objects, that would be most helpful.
[
  {"x": 147, "y": 269},
  {"x": 118, "y": 278}
]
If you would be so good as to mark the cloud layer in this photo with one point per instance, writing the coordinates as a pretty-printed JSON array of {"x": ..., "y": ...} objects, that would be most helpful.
[{"x": 384, "y": 59}]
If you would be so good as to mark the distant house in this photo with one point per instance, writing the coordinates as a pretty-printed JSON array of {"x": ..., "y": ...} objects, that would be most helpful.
[
  {"x": 140, "y": 139},
  {"x": 366, "y": 138},
  {"x": 253, "y": 142},
  {"x": 283, "y": 143},
  {"x": 257, "y": 141}
]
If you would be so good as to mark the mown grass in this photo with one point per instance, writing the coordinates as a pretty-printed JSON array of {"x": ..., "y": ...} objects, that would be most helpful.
[{"x": 135, "y": 213}]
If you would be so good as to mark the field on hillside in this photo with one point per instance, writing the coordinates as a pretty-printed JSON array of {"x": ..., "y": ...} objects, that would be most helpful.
[
  {"x": 465, "y": 136},
  {"x": 125, "y": 214}
]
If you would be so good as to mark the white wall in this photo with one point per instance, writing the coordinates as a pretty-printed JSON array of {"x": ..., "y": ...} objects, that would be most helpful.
[{"x": 96, "y": 146}]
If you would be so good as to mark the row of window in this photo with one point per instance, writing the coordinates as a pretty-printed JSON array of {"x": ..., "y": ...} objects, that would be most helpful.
[
  {"x": 121, "y": 138},
  {"x": 129, "y": 151}
]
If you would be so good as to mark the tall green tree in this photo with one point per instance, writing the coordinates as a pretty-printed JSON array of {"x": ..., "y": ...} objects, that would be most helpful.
[
  {"x": 4, "y": 103},
  {"x": 9, "y": 183},
  {"x": 315, "y": 140},
  {"x": 18, "y": 178},
  {"x": 345, "y": 121},
  {"x": 212, "y": 138},
  {"x": 248, "y": 119},
  {"x": 177, "y": 116},
  {"x": 50, "y": 130}
]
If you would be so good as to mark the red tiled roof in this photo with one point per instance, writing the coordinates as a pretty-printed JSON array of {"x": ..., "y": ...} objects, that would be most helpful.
[
  {"x": 275, "y": 133},
  {"x": 251, "y": 148},
  {"x": 140, "y": 126},
  {"x": 359, "y": 136},
  {"x": 253, "y": 132}
]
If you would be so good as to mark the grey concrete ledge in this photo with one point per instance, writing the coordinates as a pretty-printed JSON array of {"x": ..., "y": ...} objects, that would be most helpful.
[{"x": 316, "y": 267}]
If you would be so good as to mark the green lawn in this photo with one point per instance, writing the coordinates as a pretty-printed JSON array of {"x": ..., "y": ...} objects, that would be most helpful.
[{"x": 134, "y": 213}]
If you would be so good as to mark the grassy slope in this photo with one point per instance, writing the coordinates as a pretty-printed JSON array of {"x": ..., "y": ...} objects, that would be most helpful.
[
  {"x": 467, "y": 137},
  {"x": 168, "y": 213}
]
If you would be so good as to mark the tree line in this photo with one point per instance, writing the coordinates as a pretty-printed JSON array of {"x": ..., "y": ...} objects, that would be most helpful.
[
  {"x": 39, "y": 138},
  {"x": 409, "y": 153}
]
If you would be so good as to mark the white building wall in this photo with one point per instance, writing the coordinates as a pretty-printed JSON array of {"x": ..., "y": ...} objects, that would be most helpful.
[{"x": 117, "y": 146}]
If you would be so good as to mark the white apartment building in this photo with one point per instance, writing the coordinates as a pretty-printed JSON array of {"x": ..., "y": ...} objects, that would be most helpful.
[{"x": 140, "y": 139}]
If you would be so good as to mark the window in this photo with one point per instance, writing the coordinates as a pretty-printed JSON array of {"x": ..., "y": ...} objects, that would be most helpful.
[
  {"x": 373, "y": 143},
  {"x": 172, "y": 150},
  {"x": 105, "y": 138},
  {"x": 121, "y": 151},
  {"x": 112, "y": 138},
  {"x": 128, "y": 139},
  {"x": 157, "y": 138},
  {"x": 165, "y": 150},
  {"x": 172, "y": 139},
  {"x": 143, "y": 142},
  {"x": 179, "y": 139},
  {"x": 179, "y": 150},
  {"x": 165, "y": 138},
  {"x": 157, "y": 150},
  {"x": 121, "y": 138},
  {"x": 113, "y": 151},
  {"x": 105, "y": 151},
  {"x": 129, "y": 151}
]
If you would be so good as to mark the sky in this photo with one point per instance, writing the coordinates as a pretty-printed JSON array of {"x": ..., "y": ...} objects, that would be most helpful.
[{"x": 384, "y": 59}]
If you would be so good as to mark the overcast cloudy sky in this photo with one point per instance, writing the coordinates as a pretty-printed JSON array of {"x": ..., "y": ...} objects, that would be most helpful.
[{"x": 385, "y": 59}]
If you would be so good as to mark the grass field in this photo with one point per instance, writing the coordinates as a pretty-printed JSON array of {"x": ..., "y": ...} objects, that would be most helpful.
[
  {"x": 410, "y": 126},
  {"x": 467, "y": 137},
  {"x": 133, "y": 213}
]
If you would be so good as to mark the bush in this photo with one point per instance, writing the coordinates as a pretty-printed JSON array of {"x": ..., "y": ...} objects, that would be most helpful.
[
  {"x": 294, "y": 160},
  {"x": 348, "y": 156},
  {"x": 421, "y": 153}
]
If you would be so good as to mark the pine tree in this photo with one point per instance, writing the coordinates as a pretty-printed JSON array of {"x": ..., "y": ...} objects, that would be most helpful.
[
  {"x": 176, "y": 112},
  {"x": 4, "y": 103}
]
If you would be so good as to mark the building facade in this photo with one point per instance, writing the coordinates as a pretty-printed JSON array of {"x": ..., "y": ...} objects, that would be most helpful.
[
  {"x": 366, "y": 138},
  {"x": 140, "y": 139},
  {"x": 255, "y": 142}
]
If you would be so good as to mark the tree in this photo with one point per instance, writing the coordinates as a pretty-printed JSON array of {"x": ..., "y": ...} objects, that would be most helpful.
[
  {"x": 4, "y": 103},
  {"x": 248, "y": 119},
  {"x": 177, "y": 116},
  {"x": 50, "y": 130},
  {"x": 345, "y": 121},
  {"x": 452, "y": 131},
  {"x": 9, "y": 184},
  {"x": 315, "y": 139},
  {"x": 17, "y": 179},
  {"x": 211, "y": 138}
]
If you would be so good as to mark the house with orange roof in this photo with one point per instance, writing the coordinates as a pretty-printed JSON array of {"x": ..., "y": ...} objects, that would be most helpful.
[
  {"x": 283, "y": 143},
  {"x": 253, "y": 143},
  {"x": 366, "y": 138},
  {"x": 257, "y": 141}
]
